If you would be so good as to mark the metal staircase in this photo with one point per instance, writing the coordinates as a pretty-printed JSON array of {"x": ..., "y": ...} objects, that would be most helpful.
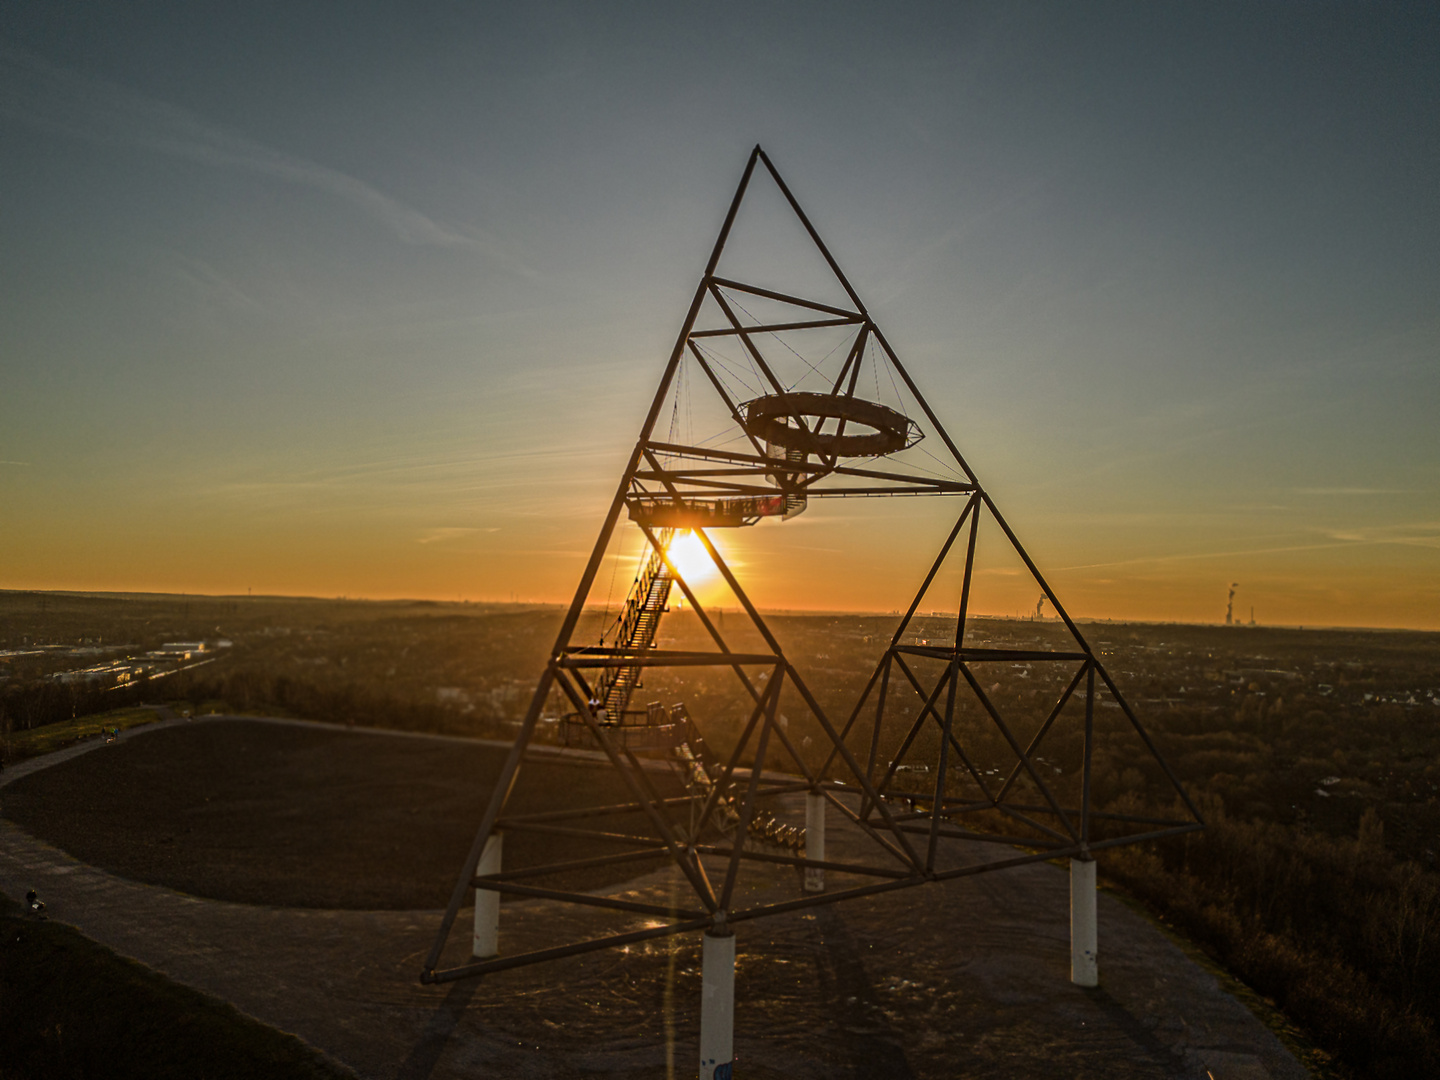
[
  {"x": 673, "y": 728},
  {"x": 702, "y": 771},
  {"x": 643, "y": 608}
]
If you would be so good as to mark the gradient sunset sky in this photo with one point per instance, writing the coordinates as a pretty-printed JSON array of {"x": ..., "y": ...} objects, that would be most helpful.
[{"x": 370, "y": 300}]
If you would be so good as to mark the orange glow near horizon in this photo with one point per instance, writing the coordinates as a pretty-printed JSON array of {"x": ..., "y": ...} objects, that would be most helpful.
[{"x": 847, "y": 558}]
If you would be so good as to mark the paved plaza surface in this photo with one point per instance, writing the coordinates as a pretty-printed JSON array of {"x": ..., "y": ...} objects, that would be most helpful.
[{"x": 966, "y": 978}]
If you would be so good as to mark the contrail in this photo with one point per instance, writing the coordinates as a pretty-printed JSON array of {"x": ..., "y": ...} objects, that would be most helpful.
[{"x": 55, "y": 99}]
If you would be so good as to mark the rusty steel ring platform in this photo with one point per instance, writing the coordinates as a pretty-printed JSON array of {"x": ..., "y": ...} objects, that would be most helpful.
[{"x": 792, "y": 421}]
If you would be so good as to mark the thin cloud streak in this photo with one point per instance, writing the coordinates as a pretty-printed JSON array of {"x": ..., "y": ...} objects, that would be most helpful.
[
  {"x": 1415, "y": 534},
  {"x": 1351, "y": 491},
  {"x": 451, "y": 532},
  {"x": 210, "y": 282},
  {"x": 1220, "y": 554},
  {"x": 455, "y": 475},
  {"x": 58, "y": 100},
  {"x": 1423, "y": 534}
]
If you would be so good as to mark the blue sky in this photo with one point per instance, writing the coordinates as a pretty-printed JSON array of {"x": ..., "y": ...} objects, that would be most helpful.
[{"x": 370, "y": 299}]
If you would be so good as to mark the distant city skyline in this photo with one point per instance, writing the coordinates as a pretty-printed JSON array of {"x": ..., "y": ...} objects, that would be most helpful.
[{"x": 373, "y": 307}]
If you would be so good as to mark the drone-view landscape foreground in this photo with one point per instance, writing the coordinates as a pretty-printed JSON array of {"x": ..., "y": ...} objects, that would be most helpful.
[{"x": 1311, "y": 752}]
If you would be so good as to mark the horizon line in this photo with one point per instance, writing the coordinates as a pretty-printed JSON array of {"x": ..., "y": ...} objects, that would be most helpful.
[{"x": 931, "y": 613}]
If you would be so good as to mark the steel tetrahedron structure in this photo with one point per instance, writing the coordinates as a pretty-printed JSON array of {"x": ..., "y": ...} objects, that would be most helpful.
[{"x": 934, "y": 772}]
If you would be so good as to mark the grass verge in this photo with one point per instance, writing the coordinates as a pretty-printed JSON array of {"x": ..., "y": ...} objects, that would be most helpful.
[
  {"x": 19, "y": 745},
  {"x": 70, "y": 1008}
]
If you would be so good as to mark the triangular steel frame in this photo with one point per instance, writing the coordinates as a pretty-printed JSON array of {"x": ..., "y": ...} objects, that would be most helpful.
[{"x": 671, "y": 475}]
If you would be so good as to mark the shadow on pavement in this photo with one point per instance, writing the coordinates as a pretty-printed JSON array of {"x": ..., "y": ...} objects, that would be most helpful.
[
  {"x": 425, "y": 1055},
  {"x": 873, "y": 1046}
]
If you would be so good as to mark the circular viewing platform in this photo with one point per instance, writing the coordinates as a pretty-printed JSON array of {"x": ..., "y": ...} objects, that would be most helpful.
[{"x": 795, "y": 421}]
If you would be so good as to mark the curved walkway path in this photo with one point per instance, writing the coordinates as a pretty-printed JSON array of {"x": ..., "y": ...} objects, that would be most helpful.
[{"x": 969, "y": 978}]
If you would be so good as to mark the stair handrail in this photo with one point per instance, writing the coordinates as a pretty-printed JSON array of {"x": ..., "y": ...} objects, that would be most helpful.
[
  {"x": 764, "y": 825},
  {"x": 636, "y": 603}
]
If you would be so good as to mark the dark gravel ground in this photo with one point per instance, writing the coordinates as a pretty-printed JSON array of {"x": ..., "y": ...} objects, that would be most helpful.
[
  {"x": 967, "y": 978},
  {"x": 298, "y": 816}
]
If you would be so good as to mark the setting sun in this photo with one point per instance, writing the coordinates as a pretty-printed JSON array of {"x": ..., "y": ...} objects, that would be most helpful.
[{"x": 691, "y": 559}]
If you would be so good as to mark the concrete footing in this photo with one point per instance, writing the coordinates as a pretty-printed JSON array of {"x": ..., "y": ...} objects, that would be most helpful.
[
  {"x": 815, "y": 840},
  {"x": 717, "y": 1007},
  {"x": 1084, "y": 962},
  {"x": 487, "y": 902}
]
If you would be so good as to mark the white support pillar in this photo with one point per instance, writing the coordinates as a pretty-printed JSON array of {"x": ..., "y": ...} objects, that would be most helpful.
[
  {"x": 815, "y": 840},
  {"x": 487, "y": 901},
  {"x": 717, "y": 1007},
  {"x": 1084, "y": 962}
]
